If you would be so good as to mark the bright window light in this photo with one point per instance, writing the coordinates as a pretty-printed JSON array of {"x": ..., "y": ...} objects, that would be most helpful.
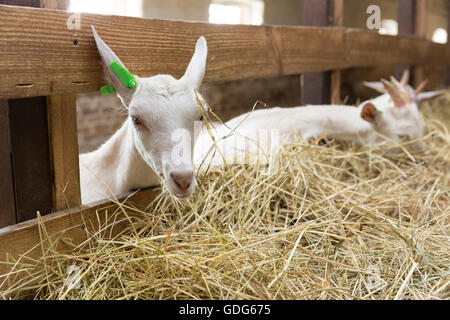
[
  {"x": 236, "y": 12},
  {"x": 389, "y": 26},
  {"x": 114, "y": 7},
  {"x": 440, "y": 36},
  {"x": 224, "y": 14}
]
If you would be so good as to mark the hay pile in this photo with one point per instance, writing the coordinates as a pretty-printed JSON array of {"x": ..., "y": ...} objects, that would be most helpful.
[{"x": 335, "y": 222}]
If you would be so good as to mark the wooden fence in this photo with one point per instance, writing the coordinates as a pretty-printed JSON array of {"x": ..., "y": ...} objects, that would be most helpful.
[{"x": 43, "y": 64}]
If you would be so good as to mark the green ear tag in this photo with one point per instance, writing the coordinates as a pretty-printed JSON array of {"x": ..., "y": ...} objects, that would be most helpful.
[
  {"x": 123, "y": 74},
  {"x": 380, "y": 111},
  {"x": 108, "y": 89}
]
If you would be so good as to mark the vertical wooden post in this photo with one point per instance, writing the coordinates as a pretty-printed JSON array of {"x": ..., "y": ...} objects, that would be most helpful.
[
  {"x": 420, "y": 30},
  {"x": 62, "y": 122},
  {"x": 7, "y": 203},
  {"x": 412, "y": 20},
  {"x": 406, "y": 18},
  {"x": 55, "y": 4},
  {"x": 317, "y": 88},
  {"x": 447, "y": 72},
  {"x": 338, "y": 20}
]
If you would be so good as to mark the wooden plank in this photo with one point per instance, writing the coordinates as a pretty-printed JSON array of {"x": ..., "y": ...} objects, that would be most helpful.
[
  {"x": 338, "y": 20},
  {"x": 406, "y": 15},
  {"x": 336, "y": 87},
  {"x": 22, "y": 3},
  {"x": 70, "y": 227},
  {"x": 62, "y": 125},
  {"x": 62, "y": 122},
  {"x": 316, "y": 87},
  {"x": 7, "y": 203},
  {"x": 338, "y": 13},
  {"x": 30, "y": 156},
  {"x": 38, "y": 55},
  {"x": 420, "y": 30},
  {"x": 372, "y": 49},
  {"x": 406, "y": 19},
  {"x": 447, "y": 73},
  {"x": 55, "y": 4}
]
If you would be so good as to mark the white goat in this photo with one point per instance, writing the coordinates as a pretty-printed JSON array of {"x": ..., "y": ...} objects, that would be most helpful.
[
  {"x": 162, "y": 112},
  {"x": 252, "y": 134},
  {"x": 392, "y": 117},
  {"x": 400, "y": 102}
]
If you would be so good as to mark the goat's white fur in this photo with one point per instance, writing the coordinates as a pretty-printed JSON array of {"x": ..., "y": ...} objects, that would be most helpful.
[
  {"x": 238, "y": 139},
  {"x": 137, "y": 155},
  {"x": 240, "y": 135}
]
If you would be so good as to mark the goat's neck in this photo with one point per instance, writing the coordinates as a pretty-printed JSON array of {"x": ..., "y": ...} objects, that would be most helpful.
[
  {"x": 345, "y": 124},
  {"x": 342, "y": 123},
  {"x": 122, "y": 162}
]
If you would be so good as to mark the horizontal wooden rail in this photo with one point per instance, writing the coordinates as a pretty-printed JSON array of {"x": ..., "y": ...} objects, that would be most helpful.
[
  {"x": 69, "y": 227},
  {"x": 40, "y": 55}
]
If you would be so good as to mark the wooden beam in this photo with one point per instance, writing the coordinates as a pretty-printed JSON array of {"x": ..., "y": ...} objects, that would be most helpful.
[
  {"x": 62, "y": 122},
  {"x": 55, "y": 4},
  {"x": 406, "y": 21},
  {"x": 22, "y": 3},
  {"x": 7, "y": 203},
  {"x": 338, "y": 13},
  {"x": 316, "y": 87},
  {"x": 338, "y": 20},
  {"x": 34, "y": 63},
  {"x": 69, "y": 228},
  {"x": 420, "y": 30},
  {"x": 447, "y": 73},
  {"x": 406, "y": 17},
  {"x": 62, "y": 125}
]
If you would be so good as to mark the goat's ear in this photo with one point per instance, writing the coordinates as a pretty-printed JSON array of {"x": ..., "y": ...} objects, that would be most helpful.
[
  {"x": 107, "y": 57},
  {"x": 376, "y": 85},
  {"x": 196, "y": 69},
  {"x": 370, "y": 113},
  {"x": 425, "y": 96}
]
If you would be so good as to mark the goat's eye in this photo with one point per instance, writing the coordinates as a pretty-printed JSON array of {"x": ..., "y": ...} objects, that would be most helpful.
[{"x": 136, "y": 120}]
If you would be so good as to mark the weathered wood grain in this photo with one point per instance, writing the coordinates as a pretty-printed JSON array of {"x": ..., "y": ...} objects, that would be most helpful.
[
  {"x": 62, "y": 126},
  {"x": 55, "y": 4},
  {"x": 447, "y": 72},
  {"x": 406, "y": 22},
  {"x": 338, "y": 20},
  {"x": 420, "y": 30},
  {"x": 7, "y": 202},
  {"x": 39, "y": 54},
  {"x": 316, "y": 87}
]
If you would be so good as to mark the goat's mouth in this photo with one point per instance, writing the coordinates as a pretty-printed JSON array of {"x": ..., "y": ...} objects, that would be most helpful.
[
  {"x": 176, "y": 191},
  {"x": 182, "y": 195}
]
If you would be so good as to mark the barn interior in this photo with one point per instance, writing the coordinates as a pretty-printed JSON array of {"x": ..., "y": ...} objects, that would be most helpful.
[{"x": 335, "y": 221}]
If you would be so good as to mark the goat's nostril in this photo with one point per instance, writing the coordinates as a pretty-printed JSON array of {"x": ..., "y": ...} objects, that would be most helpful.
[{"x": 182, "y": 179}]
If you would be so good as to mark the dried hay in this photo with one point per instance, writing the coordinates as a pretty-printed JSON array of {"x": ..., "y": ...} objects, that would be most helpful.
[{"x": 335, "y": 222}]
